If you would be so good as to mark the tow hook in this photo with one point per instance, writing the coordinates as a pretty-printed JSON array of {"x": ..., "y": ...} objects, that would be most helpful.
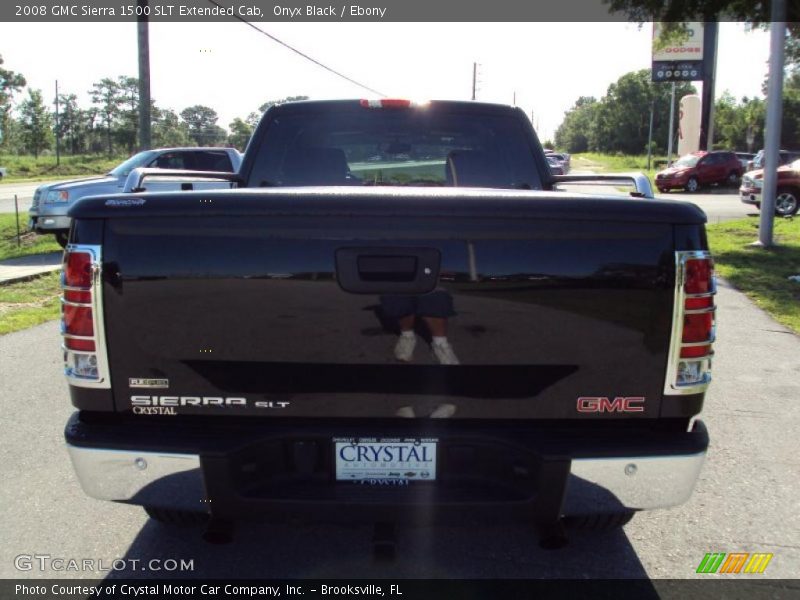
[
  {"x": 218, "y": 531},
  {"x": 552, "y": 536}
]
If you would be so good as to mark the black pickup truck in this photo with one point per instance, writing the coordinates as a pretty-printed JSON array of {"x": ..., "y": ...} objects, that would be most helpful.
[{"x": 398, "y": 313}]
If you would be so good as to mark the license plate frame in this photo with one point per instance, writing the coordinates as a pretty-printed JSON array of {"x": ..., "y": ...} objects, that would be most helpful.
[{"x": 398, "y": 459}]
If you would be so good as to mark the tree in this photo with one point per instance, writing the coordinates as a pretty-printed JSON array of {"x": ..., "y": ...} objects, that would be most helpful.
[
  {"x": 573, "y": 133},
  {"x": 240, "y": 133},
  {"x": 790, "y": 127},
  {"x": 620, "y": 121},
  {"x": 71, "y": 127},
  {"x": 10, "y": 83},
  {"x": 674, "y": 12},
  {"x": 254, "y": 117},
  {"x": 127, "y": 126},
  {"x": 202, "y": 123},
  {"x": 105, "y": 96},
  {"x": 167, "y": 129},
  {"x": 738, "y": 125},
  {"x": 36, "y": 124}
]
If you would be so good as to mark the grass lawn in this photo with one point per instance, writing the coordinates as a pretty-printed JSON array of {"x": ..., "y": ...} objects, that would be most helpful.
[
  {"x": 759, "y": 273},
  {"x": 32, "y": 243},
  {"x": 27, "y": 168},
  {"x": 29, "y": 303},
  {"x": 607, "y": 163}
]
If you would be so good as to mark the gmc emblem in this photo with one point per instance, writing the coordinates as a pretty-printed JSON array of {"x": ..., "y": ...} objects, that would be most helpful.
[{"x": 620, "y": 404}]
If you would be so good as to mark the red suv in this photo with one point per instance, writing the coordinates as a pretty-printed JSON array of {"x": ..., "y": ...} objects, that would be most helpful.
[{"x": 700, "y": 168}]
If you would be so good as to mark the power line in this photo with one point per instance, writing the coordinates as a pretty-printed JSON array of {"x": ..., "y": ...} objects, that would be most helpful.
[{"x": 306, "y": 56}]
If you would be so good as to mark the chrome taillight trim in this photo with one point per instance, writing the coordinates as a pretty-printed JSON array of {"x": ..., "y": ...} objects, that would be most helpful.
[
  {"x": 699, "y": 311},
  {"x": 678, "y": 312},
  {"x": 103, "y": 381},
  {"x": 78, "y": 304}
]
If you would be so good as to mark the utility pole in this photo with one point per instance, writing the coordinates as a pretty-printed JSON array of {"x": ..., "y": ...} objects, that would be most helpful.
[
  {"x": 474, "y": 78},
  {"x": 143, "y": 35},
  {"x": 772, "y": 139},
  {"x": 671, "y": 124},
  {"x": 58, "y": 131},
  {"x": 710, "y": 30}
]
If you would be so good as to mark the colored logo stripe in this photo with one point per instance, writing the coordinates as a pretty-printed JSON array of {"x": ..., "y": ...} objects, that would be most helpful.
[
  {"x": 758, "y": 563},
  {"x": 735, "y": 562},
  {"x": 711, "y": 562}
]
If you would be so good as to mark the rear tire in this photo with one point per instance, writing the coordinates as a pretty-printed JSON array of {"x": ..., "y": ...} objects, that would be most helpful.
[
  {"x": 599, "y": 522},
  {"x": 692, "y": 185},
  {"x": 62, "y": 237},
  {"x": 176, "y": 518},
  {"x": 732, "y": 179},
  {"x": 786, "y": 202}
]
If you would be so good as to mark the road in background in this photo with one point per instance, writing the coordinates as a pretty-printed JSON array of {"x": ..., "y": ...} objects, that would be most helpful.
[
  {"x": 718, "y": 206},
  {"x": 745, "y": 500},
  {"x": 721, "y": 205},
  {"x": 24, "y": 192}
]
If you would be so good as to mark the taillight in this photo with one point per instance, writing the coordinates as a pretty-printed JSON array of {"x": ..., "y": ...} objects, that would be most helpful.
[
  {"x": 691, "y": 348},
  {"x": 85, "y": 361},
  {"x": 390, "y": 103}
]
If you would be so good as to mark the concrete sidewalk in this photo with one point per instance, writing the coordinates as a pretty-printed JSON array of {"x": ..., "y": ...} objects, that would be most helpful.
[{"x": 16, "y": 269}]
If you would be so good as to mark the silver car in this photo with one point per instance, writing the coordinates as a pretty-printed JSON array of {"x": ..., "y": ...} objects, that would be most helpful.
[{"x": 52, "y": 201}]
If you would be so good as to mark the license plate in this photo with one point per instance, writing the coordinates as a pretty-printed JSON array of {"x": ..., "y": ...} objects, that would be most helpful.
[{"x": 398, "y": 459}]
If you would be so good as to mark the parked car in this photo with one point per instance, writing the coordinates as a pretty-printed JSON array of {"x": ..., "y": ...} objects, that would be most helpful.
[
  {"x": 692, "y": 171},
  {"x": 48, "y": 213},
  {"x": 787, "y": 197},
  {"x": 2, "y": 172},
  {"x": 314, "y": 415},
  {"x": 555, "y": 165},
  {"x": 784, "y": 158},
  {"x": 745, "y": 158},
  {"x": 564, "y": 159}
]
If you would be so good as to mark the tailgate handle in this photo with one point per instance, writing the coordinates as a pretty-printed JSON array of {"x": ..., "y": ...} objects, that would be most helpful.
[{"x": 387, "y": 270}]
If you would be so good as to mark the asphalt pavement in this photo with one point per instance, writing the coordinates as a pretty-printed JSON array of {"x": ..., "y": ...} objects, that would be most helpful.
[{"x": 745, "y": 501}]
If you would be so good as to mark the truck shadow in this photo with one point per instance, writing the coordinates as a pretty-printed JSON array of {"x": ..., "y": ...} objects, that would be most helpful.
[{"x": 468, "y": 549}]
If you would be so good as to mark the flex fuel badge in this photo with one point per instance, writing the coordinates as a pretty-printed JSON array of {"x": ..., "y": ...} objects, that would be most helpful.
[{"x": 138, "y": 382}]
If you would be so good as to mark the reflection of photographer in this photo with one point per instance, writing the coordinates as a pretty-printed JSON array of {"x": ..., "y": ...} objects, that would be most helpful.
[{"x": 434, "y": 309}]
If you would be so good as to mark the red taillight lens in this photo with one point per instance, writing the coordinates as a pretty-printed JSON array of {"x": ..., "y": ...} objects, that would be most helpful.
[
  {"x": 699, "y": 276},
  {"x": 78, "y": 270},
  {"x": 79, "y": 297},
  {"x": 386, "y": 103},
  {"x": 395, "y": 103},
  {"x": 78, "y": 320},
  {"x": 698, "y": 303},
  {"x": 697, "y": 328},
  {"x": 82, "y": 345},
  {"x": 695, "y": 351}
]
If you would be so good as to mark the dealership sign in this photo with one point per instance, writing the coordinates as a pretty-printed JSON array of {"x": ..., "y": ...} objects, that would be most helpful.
[{"x": 681, "y": 61}]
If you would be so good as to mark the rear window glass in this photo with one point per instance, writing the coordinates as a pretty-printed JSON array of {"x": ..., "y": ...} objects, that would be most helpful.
[
  {"x": 213, "y": 161},
  {"x": 413, "y": 147}
]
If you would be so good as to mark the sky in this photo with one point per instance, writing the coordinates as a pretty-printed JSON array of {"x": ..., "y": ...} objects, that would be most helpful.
[{"x": 234, "y": 69}]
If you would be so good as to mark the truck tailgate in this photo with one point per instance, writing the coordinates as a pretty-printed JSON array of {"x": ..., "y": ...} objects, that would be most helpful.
[{"x": 287, "y": 303}]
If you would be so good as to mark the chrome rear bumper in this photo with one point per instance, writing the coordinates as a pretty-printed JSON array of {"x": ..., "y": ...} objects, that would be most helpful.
[{"x": 595, "y": 484}]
